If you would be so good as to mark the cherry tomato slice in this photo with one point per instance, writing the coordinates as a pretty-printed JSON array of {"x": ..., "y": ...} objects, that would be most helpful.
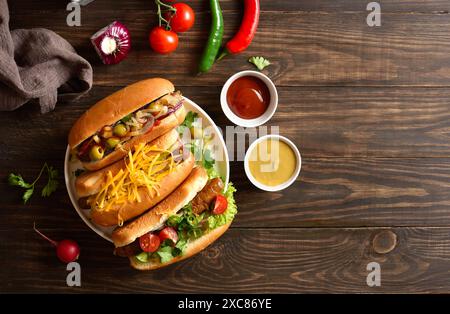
[
  {"x": 219, "y": 205},
  {"x": 183, "y": 19},
  {"x": 149, "y": 242},
  {"x": 168, "y": 233}
]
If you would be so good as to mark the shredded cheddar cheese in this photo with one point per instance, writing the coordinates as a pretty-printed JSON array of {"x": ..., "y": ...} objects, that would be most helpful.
[{"x": 144, "y": 168}]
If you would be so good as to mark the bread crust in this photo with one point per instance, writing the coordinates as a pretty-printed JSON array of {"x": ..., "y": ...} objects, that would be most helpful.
[
  {"x": 90, "y": 183},
  {"x": 156, "y": 217},
  {"x": 165, "y": 125},
  {"x": 116, "y": 106},
  {"x": 130, "y": 210},
  {"x": 193, "y": 248}
]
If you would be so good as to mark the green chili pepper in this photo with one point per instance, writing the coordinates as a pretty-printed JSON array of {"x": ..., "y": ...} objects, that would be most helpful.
[{"x": 215, "y": 38}]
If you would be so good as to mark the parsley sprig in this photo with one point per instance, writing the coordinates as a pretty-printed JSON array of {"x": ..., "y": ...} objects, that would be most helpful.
[
  {"x": 49, "y": 188},
  {"x": 259, "y": 62}
]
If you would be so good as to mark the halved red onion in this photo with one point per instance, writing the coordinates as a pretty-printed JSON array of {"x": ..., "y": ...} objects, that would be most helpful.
[
  {"x": 112, "y": 43},
  {"x": 147, "y": 127},
  {"x": 172, "y": 110}
]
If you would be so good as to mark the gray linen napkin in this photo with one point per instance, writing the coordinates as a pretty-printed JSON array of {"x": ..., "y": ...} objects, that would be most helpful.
[{"x": 38, "y": 64}]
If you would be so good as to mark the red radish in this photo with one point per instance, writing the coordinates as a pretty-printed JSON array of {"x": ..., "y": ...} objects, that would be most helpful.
[
  {"x": 66, "y": 250},
  {"x": 112, "y": 43}
]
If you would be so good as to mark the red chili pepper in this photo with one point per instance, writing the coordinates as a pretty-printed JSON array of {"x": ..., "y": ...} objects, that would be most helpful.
[{"x": 247, "y": 30}]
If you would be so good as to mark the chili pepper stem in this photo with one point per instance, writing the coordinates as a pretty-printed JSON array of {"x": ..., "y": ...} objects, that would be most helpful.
[
  {"x": 222, "y": 54},
  {"x": 44, "y": 236}
]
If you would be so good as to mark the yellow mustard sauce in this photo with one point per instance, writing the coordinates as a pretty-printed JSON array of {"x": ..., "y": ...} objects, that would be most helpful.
[{"x": 272, "y": 162}]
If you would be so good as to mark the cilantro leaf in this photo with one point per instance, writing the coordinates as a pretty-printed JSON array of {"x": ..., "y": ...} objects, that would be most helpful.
[
  {"x": 196, "y": 149},
  {"x": 174, "y": 220},
  {"x": 208, "y": 161},
  {"x": 26, "y": 196},
  {"x": 165, "y": 254},
  {"x": 180, "y": 247},
  {"x": 52, "y": 183},
  {"x": 259, "y": 62},
  {"x": 126, "y": 118},
  {"x": 190, "y": 118},
  {"x": 17, "y": 180},
  {"x": 49, "y": 188}
]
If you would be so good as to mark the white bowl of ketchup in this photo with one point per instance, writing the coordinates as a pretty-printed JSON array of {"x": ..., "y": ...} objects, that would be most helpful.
[{"x": 249, "y": 98}]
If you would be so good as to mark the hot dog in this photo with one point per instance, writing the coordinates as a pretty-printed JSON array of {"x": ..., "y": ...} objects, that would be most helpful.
[
  {"x": 189, "y": 233},
  {"x": 138, "y": 113}
]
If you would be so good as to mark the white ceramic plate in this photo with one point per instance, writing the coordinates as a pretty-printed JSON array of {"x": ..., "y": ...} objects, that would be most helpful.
[{"x": 70, "y": 167}]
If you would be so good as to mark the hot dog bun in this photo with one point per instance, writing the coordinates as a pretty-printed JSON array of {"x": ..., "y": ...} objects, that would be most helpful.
[
  {"x": 90, "y": 183},
  {"x": 130, "y": 210},
  {"x": 165, "y": 125},
  {"x": 116, "y": 106},
  {"x": 193, "y": 248},
  {"x": 155, "y": 218}
]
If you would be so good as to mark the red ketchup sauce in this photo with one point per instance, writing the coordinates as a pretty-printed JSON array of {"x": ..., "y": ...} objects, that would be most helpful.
[{"x": 248, "y": 97}]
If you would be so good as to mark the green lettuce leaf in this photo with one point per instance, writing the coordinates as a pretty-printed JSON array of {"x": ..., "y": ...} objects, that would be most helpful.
[{"x": 165, "y": 254}]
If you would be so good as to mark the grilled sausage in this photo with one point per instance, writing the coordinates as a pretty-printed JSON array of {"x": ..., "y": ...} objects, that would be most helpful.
[
  {"x": 202, "y": 200},
  {"x": 128, "y": 250}
]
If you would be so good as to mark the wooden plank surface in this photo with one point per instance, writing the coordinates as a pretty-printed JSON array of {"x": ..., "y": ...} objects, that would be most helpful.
[
  {"x": 329, "y": 49},
  {"x": 322, "y": 121},
  {"x": 250, "y": 261},
  {"x": 347, "y": 138},
  {"x": 368, "y": 108}
]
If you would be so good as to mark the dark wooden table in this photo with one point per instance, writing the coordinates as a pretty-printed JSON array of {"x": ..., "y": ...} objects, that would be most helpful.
[{"x": 369, "y": 108}]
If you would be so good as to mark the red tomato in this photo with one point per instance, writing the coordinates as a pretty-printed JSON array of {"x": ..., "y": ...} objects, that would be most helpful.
[
  {"x": 219, "y": 205},
  {"x": 182, "y": 20},
  {"x": 168, "y": 233},
  {"x": 149, "y": 242},
  {"x": 163, "y": 41}
]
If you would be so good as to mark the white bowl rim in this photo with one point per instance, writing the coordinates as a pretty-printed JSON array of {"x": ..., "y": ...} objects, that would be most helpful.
[
  {"x": 283, "y": 185},
  {"x": 96, "y": 228},
  {"x": 266, "y": 116}
]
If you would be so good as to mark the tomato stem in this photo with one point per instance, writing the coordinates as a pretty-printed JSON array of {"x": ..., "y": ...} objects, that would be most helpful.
[
  {"x": 161, "y": 19},
  {"x": 44, "y": 236}
]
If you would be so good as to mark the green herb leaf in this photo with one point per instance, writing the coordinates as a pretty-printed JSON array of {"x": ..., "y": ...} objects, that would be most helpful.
[
  {"x": 17, "y": 180},
  {"x": 165, "y": 254},
  {"x": 180, "y": 247},
  {"x": 190, "y": 118},
  {"x": 26, "y": 196},
  {"x": 49, "y": 188},
  {"x": 126, "y": 118},
  {"x": 195, "y": 233},
  {"x": 208, "y": 161},
  {"x": 52, "y": 183},
  {"x": 174, "y": 220},
  {"x": 259, "y": 62}
]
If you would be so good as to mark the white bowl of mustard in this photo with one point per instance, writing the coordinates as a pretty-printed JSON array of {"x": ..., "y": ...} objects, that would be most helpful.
[{"x": 272, "y": 163}]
